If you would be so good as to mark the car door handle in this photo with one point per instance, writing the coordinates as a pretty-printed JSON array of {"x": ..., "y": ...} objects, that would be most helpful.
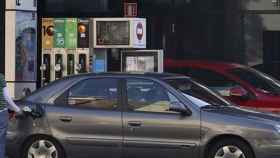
[
  {"x": 134, "y": 123},
  {"x": 65, "y": 118}
]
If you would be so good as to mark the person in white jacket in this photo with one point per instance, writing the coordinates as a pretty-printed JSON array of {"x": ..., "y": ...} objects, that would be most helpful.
[{"x": 6, "y": 103}]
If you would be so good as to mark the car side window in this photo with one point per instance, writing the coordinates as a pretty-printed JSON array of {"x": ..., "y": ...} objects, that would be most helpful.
[
  {"x": 98, "y": 93},
  {"x": 148, "y": 96},
  {"x": 211, "y": 79},
  {"x": 214, "y": 80}
]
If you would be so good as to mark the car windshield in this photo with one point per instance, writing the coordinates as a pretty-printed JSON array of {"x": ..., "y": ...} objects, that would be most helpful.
[
  {"x": 261, "y": 81},
  {"x": 197, "y": 93}
]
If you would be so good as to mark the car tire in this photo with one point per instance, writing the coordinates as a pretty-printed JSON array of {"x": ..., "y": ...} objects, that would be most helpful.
[
  {"x": 230, "y": 148},
  {"x": 42, "y": 145}
]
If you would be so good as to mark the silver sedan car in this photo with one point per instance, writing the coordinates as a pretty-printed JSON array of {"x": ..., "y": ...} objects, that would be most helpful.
[{"x": 118, "y": 115}]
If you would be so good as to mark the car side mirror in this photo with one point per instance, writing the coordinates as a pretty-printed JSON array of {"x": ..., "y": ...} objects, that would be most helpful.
[
  {"x": 178, "y": 107},
  {"x": 238, "y": 92}
]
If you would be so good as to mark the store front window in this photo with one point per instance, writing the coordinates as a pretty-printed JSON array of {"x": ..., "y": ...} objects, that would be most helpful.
[{"x": 262, "y": 37}]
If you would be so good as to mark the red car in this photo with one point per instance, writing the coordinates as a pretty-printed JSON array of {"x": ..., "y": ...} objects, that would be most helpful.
[{"x": 240, "y": 84}]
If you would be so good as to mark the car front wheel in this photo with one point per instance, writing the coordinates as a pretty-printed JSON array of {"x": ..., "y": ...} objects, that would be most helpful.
[
  {"x": 38, "y": 147},
  {"x": 232, "y": 148}
]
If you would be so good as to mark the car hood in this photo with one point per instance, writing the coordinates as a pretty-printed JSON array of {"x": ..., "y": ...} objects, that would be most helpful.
[{"x": 245, "y": 113}]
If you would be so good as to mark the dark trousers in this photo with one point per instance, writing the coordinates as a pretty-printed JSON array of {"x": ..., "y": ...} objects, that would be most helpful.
[{"x": 3, "y": 130}]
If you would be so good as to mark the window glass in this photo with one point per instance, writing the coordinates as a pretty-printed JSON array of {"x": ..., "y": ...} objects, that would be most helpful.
[
  {"x": 214, "y": 81},
  {"x": 148, "y": 96},
  {"x": 196, "y": 93},
  {"x": 257, "y": 79},
  {"x": 95, "y": 93},
  {"x": 44, "y": 94},
  {"x": 210, "y": 78}
]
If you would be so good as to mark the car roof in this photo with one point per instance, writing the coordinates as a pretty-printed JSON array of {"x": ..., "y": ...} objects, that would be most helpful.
[
  {"x": 160, "y": 76},
  {"x": 208, "y": 64}
]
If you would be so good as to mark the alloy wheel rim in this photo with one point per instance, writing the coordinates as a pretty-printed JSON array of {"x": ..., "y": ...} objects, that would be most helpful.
[
  {"x": 42, "y": 149},
  {"x": 229, "y": 152}
]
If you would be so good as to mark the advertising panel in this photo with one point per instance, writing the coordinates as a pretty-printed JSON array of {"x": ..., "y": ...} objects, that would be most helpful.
[
  {"x": 26, "y": 46},
  {"x": 112, "y": 32},
  {"x": 139, "y": 33},
  {"x": 142, "y": 60},
  {"x": 99, "y": 65},
  {"x": 119, "y": 33},
  {"x": 140, "y": 64},
  {"x": 71, "y": 33},
  {"x": 47, "y": 33},
  {"x": 59, "y": 36},
  {"x": 83, "y": 33}
]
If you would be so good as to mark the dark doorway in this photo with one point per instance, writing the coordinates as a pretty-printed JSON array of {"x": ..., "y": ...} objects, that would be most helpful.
[{"x": 271, "y": 56}]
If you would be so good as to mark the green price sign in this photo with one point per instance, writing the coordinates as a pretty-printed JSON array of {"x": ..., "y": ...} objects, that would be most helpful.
[
  {"x": 59, "y": 36},
  {"x": 71, "y": 38}
]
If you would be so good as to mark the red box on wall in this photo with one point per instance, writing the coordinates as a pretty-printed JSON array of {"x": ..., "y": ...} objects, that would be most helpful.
[{"x": 130, "y": 9}]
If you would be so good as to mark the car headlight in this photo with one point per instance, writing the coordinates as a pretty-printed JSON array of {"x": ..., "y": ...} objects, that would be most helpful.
[{"x": 277, "y": 127}]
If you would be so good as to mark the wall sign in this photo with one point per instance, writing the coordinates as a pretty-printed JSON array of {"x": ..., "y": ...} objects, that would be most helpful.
[
  {"x": 83, "y": 33},
  {"x": 47, "y": 32},
  {"x": 24, "y": 5},
  {"x": 71, "y": 33},
  {"x": 59, "y": 36}
]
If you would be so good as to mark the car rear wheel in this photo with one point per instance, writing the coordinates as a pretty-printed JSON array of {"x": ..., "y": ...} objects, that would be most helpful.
[
  {"x": 42, "y": 147},
  {"x": 231, "y": 148}
]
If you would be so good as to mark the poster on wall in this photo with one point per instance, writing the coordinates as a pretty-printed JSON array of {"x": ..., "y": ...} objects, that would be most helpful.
[
  {"x": 71, "y": 33},
  {"x": 26, "y": 46},
  {"x": 59, "y": 36},
  {"x": 47, "y": 33},
  {"x": 83, "y": 33}
]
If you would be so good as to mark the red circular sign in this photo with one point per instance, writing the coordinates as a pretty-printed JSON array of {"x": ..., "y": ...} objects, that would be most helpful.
[{"x": 139, "y": 31}]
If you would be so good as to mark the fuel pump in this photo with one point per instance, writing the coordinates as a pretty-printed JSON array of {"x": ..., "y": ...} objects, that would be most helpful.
[
  {"x": 82, "y": 63},
  {"x": 58, "y": 66},
  {"x": 70, "y": 59},
  {"x": 46, "y": 69},
  {"x": 70, "y": 64},
  {"x": 82, "y": 60}
]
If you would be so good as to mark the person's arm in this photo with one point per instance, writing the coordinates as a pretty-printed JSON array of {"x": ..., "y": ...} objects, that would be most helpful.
[{"x": 11, "y": 104}]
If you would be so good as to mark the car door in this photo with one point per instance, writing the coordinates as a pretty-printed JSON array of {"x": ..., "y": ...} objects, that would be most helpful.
[
  {"x": 150, "y": 129},
  {"x": 87, "y": 119}
]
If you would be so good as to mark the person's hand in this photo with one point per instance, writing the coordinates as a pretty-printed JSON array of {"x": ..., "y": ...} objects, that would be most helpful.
[{"x": 12, "y": 114}]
